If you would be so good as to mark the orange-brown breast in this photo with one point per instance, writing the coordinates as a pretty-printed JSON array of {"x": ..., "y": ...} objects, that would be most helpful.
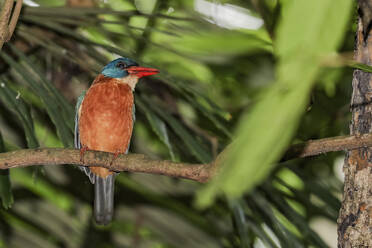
[{"x": 106, "y": 120}]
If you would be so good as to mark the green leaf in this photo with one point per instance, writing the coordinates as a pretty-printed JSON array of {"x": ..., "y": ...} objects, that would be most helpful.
[
  {"x": 266, "y": 130},
  {"x": 262, "y": 209},
  {"x": 169, "y": 203},
  {"x": 360, "y": 66},
  {"x": 209, "y": 114},
  {"x": 225, "y": 43},
  {"x": 43, "y": 188},
  {"x": 51, "y": 104},
  {"x": 67, "y": 111},
  {"x": 15, "y": 103},
  {"x": 6, "y": 194},
  {"x": 58, "y": 50},
  {"x": 70, "y": 33},
  {"x": 191, "y": 143},
  {"x": 240, "y": 220},
  {"x": 158, "y": 126},
  {"x": 300, "y": 30},
  {"x": 294, "y": 217},
  {"x": 193, "y": 95}
]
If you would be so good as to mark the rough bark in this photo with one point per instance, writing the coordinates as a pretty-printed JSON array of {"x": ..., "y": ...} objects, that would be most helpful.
[
  {"x": 7, "y": 27},
  {"x": 130, "y": 162},
  {"x": 355, "y": 218}
]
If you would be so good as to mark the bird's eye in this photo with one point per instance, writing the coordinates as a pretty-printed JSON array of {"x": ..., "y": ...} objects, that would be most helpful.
[{"x": 121, "y": 65}]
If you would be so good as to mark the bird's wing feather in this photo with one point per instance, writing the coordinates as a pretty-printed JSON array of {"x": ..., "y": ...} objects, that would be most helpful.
[
  {"x": 77, "y": 136},
  {"x": 77, "y": 116}
]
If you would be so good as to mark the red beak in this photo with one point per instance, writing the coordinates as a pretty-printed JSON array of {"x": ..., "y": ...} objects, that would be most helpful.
[{"x": 142, "y": 71}]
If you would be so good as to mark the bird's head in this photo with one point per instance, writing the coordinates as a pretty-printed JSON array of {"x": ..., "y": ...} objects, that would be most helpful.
[{"x": 126, "y": 69}]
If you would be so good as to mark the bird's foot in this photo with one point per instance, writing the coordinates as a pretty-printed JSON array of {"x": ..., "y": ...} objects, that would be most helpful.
[
  {"x": 116, "y": 154},
  {"x": 83, "y": 149}
]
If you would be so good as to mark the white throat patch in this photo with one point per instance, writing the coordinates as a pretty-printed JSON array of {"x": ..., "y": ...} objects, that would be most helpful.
[{"x": 131, "y": 80}]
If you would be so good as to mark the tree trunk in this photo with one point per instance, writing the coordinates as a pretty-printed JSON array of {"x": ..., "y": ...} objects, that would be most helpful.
[{"x": 355, "y": 219}]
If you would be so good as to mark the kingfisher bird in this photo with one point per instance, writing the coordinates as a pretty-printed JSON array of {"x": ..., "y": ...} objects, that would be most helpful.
[{"x": 104, "y": 122}]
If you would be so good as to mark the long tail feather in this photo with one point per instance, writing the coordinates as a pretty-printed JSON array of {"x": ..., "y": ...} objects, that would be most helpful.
[{"x": 104, "y": 199}]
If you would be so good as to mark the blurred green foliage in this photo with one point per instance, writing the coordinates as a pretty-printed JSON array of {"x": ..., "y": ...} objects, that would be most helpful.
[
  {"x": 301, "y": 44},
  {"x": 259, "y": 74}
]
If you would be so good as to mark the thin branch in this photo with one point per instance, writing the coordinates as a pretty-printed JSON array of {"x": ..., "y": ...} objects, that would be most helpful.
[
  {"x": 4, "y": 20},
  {"x": 334, "y": 144},
  {"x": 142, "y": 163},
  {"x": 7, "y": 28},
  {"x": 14, "y": 20}
]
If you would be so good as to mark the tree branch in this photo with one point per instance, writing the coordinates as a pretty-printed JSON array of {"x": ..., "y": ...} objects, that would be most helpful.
[
  {"x": 4, "y": 19},
  {"x": 142, "y": 163},
  {"x": 333, "y": 144},
  {"x": 6, "y": 27},
  {"x": 14, "y": 20},
  {"x": 129, "y": 162}
]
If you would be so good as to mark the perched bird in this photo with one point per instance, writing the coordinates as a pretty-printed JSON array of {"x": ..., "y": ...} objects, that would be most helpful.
[{"x": 104, "y": 122}]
